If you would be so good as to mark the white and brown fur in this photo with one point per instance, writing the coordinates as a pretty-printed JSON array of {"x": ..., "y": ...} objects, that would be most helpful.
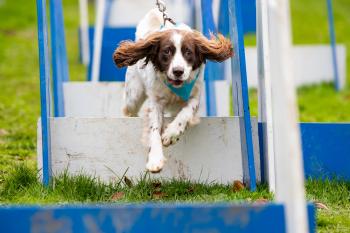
[{"x": 173, "y": 54}]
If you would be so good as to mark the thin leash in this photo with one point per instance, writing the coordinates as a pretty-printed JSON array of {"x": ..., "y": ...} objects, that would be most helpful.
[{"x": 162, "y": 8}]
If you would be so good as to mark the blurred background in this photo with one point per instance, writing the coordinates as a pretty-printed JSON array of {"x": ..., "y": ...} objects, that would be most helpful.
[
  {"x": 19, "y": 70},
  {"x": 19, "y": 79}
]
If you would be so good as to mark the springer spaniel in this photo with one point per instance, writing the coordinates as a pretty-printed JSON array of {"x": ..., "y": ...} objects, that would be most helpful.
[{"x": 164, "y": 69}]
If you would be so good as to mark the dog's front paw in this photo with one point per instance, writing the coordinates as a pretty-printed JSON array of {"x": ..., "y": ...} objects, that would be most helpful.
[
  {"x": 172, "y": 134},
  {"x": 155, "y": 163}
]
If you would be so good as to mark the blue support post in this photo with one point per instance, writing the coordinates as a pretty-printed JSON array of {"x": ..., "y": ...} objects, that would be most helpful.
[
  {"x": 211, "y": 70},
  {"x": 333, "y": 44},
  {"x": 223, "y": 24},
  {"x": 240, "y": 91},
  {"x": 59, "y": 56},
  {"x": 44, "y": 88}
]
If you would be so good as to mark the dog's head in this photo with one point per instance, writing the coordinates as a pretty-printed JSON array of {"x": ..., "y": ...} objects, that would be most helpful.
[{"x": 174, "y": 53}]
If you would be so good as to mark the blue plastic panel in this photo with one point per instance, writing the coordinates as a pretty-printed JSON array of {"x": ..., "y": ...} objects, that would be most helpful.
[
  {"x": 111, "y": 39},
  {"x": 326, "y": 150},
  {"x": 144, "y": 218}
]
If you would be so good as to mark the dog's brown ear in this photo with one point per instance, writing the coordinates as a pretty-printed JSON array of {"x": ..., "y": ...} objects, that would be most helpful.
[
  {"x": 218, "y": 48},
  {"x": 129, "y": 52}
]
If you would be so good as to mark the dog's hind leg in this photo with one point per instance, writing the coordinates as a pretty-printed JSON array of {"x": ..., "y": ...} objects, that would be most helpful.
[{"x": 134, "y": 92}]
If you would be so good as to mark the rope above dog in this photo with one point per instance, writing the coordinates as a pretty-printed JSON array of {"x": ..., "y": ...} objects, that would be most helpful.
[{"x": 162, "y": 8}]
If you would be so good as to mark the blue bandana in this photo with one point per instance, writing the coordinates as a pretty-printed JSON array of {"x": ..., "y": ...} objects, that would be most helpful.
[{"x": 184, "y": 92}]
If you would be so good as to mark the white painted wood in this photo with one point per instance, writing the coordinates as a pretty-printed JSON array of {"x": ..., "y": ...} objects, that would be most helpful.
[
  {"x": 107, "y": 147},
  {"x": 222, "y": 93},
  {"x": 265, "y": 92},
  {"x": 198, "y": 16},
  {"x": 315, "y": 64},
  {"x": 288, "y": 156},
  {"x": 104, "y": 99},
  {"x": 222, "y": 99},
  {"x": 84, "y": 31},
  {"x": 89, "y": 99},
  {"x": 128, "y": 13},
  {"x": 312, "y": 64},
  {"x": 98, "y": 37}
]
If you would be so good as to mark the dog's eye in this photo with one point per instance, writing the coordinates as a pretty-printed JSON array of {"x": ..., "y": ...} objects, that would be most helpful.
[
  {"x": 166, "y": 51},
  {"x": 188, "y": 52}
]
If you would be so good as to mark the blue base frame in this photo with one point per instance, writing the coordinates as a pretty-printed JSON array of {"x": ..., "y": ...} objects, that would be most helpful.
[
  {"x": 326, "y": 150},
  {"x": 147, "y": 218}
]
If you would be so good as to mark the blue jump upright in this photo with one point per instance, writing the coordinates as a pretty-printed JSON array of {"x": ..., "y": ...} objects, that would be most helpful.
[
  {"x": 59, "y": 56},
  {"x": 333, "y": 44},
  {"x": 213, "y": 71},
  {"x": 45, "y": 93},
  {"x": 240, "y": 92}
]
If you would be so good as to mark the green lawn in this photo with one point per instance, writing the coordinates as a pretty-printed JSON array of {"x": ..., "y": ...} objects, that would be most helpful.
[{"x": 19, "y": 110}]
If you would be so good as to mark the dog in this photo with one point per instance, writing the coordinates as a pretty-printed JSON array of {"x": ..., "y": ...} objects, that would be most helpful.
[{"x": 165, "y": 65}]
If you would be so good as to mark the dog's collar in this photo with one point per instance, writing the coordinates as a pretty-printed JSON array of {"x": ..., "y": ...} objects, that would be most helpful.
[{"x": 184, "y": 92}]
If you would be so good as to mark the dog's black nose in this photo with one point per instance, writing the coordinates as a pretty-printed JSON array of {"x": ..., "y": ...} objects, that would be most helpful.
[{"x": 178, "y": 71}]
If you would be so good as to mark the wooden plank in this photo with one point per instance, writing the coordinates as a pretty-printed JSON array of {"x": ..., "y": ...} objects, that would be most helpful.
[
  {"x": 90, "y": 99},
  {"x": 107, "y": 147},
  {"x": 312, "y": 64},
  {"x": 44, "y": 64},
  {"x": 288, "y": 158},
  {"x": 105, "y": 99},
  {"x": 265, "y": 94},
  {"x": 144, "y": 218}
]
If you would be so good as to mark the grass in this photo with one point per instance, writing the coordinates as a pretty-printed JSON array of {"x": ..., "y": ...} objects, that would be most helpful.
[
  {"x": 22, "y": 185},
  {"x": 19, "y": 110},
  {"x": 336, "y": 196}
]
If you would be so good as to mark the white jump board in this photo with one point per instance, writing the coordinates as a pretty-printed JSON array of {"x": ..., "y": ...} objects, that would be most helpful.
[
  {"x": 107, "y": 147},
  {"x": 91, "y": 99},
  {"x": 104, "y": 99},
  {"x": 312, "y": 64}
]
